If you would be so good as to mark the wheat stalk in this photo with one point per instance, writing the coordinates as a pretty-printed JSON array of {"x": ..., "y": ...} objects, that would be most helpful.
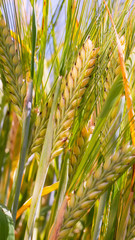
[
  {"x": 11, "y": 68},
  {"x": 40, "y": 128},
  {"x": 113, "y": 63},
  {"x": 85, "y": 197},
  {"x": 72, "y": 89}
]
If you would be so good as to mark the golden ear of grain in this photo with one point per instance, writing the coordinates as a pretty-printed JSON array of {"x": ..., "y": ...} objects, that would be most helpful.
[
  {"x": 75, "y": 83},
  {"x": 113, "y": 63},
  {"x": 78, "y": 149},
  {"x": 11, "y": 68},
  {"x": 86, "y": 195},
  {"x": 72, "y": 90}
]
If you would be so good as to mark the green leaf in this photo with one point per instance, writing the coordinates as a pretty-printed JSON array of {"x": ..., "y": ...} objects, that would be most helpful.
[
  {"x": 6, "y": 224},
  {"x": 33, "y": 42},
  {"x": 121, "y": 232},
  {"x": 24, "y": 145},
  {"x": 43, "y": 165},
  {"x": 60, "y": 193},
  {"x": 99, "y": 217},
  {"x": 112, "y": 217},
  {"x": 42, "y": 50}
]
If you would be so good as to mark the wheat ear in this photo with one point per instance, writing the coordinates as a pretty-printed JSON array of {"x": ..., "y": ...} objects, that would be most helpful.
[
  {"x": 88, "y": 192},
  {"x": 11, "y": 68},
  {"x": 113, "y": 63},
  {"x": 79, "y": 147},
  {"x": 72, "y": 89},
  {"x": 40, "y": 128}
]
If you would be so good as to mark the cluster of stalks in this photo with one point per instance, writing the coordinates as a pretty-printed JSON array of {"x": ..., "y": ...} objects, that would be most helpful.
[
  {"x": 73, "y": 91},
  {"x": 89, "y": 191}
]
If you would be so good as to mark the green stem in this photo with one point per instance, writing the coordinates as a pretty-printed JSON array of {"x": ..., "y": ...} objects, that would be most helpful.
[
  {"x": 99, "y": 217},
  {"x": 43, "y": 165},
  {"x": 60, "y": 194},
  {"x": 25, "y": 132}
]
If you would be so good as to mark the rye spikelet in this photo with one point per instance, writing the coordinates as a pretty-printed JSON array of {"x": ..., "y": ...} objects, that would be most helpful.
[
  {"x": 11, "y": 68},
  {"x": 85, "y": 197}
]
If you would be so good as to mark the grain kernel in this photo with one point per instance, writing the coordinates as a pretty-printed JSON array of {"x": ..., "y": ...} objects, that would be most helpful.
[
  {"x": 82, "y": 53},
  {"x": 5, "y": 31},
  {"x": 71, "y": 113},
  {"x": 117, "y": 168},
  {"x": 70, "y": 81},
  {"x": 76, "y": 150},
  {"x": 56, "y": 153},
  {"x": 88, "y": 72},
  {"x": 73, "y": 159},
  {"x": 85, "y": 132},
  {"x": 64, "y": 134},
  {"x": 14, "y": 99},
  {"x": 94, "y": 52},
  {"x": 85, "y": 204},
  {"x": 88, "y": 45},
  {"x": 18, "y": 69},
  {"x": 84, "y": 82},
  {"x": 89, "y": 182},
  {"x": 115, "y": 157},
  {"x": 63, "y": 233},
  {"x": 70, "y": 223},
  {"x": 67, "y": 123},
  {"x": 17, "y": 109},
  {"x": 9, "y": 78},
  {"x": 118, "y": 70},
  {"x": 81, "y": 92},
  {"x": 93, "y": 195},
  {"x": 80, "y": 190},
  {"x": 15, "y": 59},
  {"x": 42, "y": 132},
  {"x": 36, "y": 149},
  {"x": 107, "y": 164},
  {"x": 74, "y": 73},
  {"x": 79, "y": 62},
  {"x": 62, "y": 102},
  {"x": 80, "y": 141},
  {"x": 91, "y": 62},
  {"x": 77, "y": 214},
  {"x": 60, "y": 143},
  {"x": 58, "y": 115},
  {"x": 66, "y": 94},
  {"x": 76, "y": 102},
  {"x": 9, "y": 40},
  {"x": 102, "y": 186},
  {"x": 72, "y": 200},
  {"x": 110, "y": 177},
  {"x": 12, "y": 50},
  {"x": 98, "y": 172},
  {"x": 2, "y": 23},
  {"x": 39, "y": 141}
]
